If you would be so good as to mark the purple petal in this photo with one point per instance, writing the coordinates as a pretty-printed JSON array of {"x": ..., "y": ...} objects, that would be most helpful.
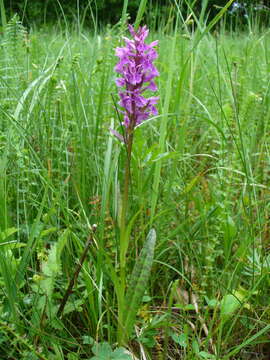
[
  {"x": 120, "y": 82},
  {"x": 154, "y": 43},
  {"x": 116, "y": 134},
  {"x": 152, "y": 86},
  {"x": 137, "y": 73},
  {"x": 131, "y": 30}
]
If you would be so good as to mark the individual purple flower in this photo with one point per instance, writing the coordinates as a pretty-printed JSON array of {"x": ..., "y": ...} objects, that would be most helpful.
[{"x": 137, "y": 75}]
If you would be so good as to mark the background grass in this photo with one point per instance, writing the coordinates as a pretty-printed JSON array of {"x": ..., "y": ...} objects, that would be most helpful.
[{"x": 200, "y": 177}]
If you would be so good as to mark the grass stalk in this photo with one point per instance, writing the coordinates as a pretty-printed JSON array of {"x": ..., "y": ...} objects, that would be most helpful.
[
  {"x": 75, "y": 275},
  {"x": 3, "y": 13},
  {"x": 163, "y": 125}
]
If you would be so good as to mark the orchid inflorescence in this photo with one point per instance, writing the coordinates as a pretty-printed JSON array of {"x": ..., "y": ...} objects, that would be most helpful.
[{"x": 138, "y": 72}]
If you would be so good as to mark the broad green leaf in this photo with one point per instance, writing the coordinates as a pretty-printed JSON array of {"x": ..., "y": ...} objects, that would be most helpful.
[
  {"x": 52, "y": 266},
  {"x": 195, "y": 346},
  {"x": 138, "y": 281},
  {"x": 73, "y": 306},
  {"x": 127, "y": 237},
  {"x": 6, "y": 233},
  {"x": 9, "y": 245},
  {"x": 102, "y": 351},
  {"x": 212, "y": 303},
  {"x": 206, "y": 355},
  {"x": 48, "y": 231},
  {"x": 230, "y": 304},
  {"x": 181, "y": 340},
  {"x": 72, "y": 356},
  {"x": 88, "y": 340},
  {"x": 121, "y": 354}
]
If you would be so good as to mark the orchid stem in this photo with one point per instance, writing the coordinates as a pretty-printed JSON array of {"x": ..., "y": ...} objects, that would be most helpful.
[
  {"x": 137, "y": 74},
  {"x": 123, "y": 239},
  {"x": 123, "y": 234}
]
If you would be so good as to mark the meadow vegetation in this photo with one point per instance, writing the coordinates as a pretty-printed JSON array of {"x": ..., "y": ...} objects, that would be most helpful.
[{"x": 199, "y": 194}]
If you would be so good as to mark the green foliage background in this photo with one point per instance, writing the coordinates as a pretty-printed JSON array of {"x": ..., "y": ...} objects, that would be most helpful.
[{"x": 107, "y": 11}]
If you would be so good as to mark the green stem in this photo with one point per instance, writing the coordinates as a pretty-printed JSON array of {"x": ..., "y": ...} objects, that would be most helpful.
[
  {"x": 123, "y": 237},
  {"x": 123, "y": 240}
]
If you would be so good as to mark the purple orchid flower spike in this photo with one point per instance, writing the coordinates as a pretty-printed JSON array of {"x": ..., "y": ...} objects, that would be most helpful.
[{"x": 137, "y": 75}]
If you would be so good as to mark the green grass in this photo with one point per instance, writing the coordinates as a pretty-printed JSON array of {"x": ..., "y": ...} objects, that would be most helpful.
[{"x": 200, "y": 178}]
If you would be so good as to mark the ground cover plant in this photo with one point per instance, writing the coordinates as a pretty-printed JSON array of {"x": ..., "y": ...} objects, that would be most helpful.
[{"x": 183, "y": 271}]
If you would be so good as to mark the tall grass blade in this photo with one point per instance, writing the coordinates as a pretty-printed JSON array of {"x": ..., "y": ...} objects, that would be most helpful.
[
  {"x": 6, "y": 270},
  {"x": 3, "y": 13},
  {"x": 124, "y": 13},
  {"x": 140, "y": 13},
  {"x": 31, "y": 244},
  {"x": 213, "y": 22},
  {"x": 163, "y": 125},
  {"x": 36, "y": 85},
  {"x": 8, "y": 280},
  {"x": 247, "y": 342},
  {"x": 3, "y": 193}
]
